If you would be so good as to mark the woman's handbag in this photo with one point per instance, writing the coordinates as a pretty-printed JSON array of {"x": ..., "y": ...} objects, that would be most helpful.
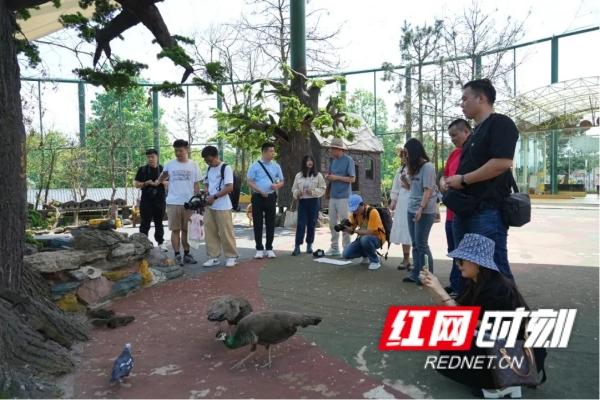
[
  {"x": 291, "y": 215},
  {"x": 514, "y": 366}
]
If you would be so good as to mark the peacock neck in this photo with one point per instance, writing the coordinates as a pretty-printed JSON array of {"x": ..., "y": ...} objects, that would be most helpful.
[{"x": 232, "y": 343}]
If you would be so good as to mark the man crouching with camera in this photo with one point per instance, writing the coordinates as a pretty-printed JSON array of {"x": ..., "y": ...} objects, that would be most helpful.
[{"x": 366, "y": 223}]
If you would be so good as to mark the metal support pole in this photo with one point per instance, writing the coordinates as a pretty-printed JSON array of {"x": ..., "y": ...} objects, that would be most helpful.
[
  {"x": 514, "y": 72},
  {"x": 220, "y": 140},
  {"x": 478, "y": 67},
  {"x": 155, "y": 121},
  {"x": 81, "y": 99},
  {"x": 298, "y": 35},
  {"x": 375, "y": 102},
  {"x": 554, "y": 60},
  {"x": 343, "y": 90},
  {"x": 443, "y": 111},
  {"x": 40, "y": 109},
  {"x": 408, "y": 103},
  {"x": 554, "y": 134}
]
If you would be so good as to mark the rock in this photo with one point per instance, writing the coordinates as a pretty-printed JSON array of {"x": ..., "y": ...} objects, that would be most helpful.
[
  {"x": 30, "y": 249},
  {"x": 69, "y": 303},
  {"x": 84, "y": 273},
  {"x": 52, "y": 241},
  {"x": 123, "y": 250},
  {"x": 126, "y": 285},
  {"x": 157, "y": 257},
  {"x": 157, "y": 276},
  {"x": 59, "y": 230},
  {"x": 142, "y": 239},
  {"x": 90, "y": 238},
  {"x": 112, "y": 264},
  {"x": 60, "y": 289},
  {"x": 93, "y": 291},
  {"x": 170, "y": 272},
  {"x": 120, "y": 273},
  {"x": 63, "y": 259}
]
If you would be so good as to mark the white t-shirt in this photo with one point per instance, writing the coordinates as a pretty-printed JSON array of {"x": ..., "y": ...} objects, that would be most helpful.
[
  {"x": 215, "y": 186},
  {"x": 182, "y": 177}
]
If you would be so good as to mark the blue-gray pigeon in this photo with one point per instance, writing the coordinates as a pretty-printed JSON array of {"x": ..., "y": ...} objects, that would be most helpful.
[{"x": 123, "y": 365}]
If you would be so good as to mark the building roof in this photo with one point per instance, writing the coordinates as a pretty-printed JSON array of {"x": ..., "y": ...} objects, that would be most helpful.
[
  {"x": 535, "y": 109},
  {"x": 364, "y": 139},
  {"x": 44, "y": 20},
  {"x": 129, "y": 195}
]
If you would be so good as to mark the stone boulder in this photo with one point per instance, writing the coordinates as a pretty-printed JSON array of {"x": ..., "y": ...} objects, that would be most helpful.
[
  {"x": 94, "y": 291},
  {"x": 61, "y": 260},
  {"x": 157, "y": 257},
  {"x": 123, "y": 250},
  {"x": 92, "y": 239},
  {"x": 140, "y": 238}
]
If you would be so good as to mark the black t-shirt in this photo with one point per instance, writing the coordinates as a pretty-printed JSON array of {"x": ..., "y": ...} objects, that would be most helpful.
[
  {"x": 151, "y": 193},
  {"x": 495, "y": 137}
]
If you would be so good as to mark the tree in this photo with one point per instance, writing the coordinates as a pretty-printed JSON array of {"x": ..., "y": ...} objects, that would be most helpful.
[
  {"x": 475, "y": 33},
  {"x": 292, "y": 126},
  {"x": 43, "y": 161},
  {"x": 269, "y": 32},
  {"x": 362, "y": 103},
  {"x": 28, "y": 319}
]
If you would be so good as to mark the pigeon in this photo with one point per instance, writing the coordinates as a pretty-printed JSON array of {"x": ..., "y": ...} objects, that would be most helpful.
[
  {"x": 228, "y": 308},
  {"x": 266, "y": 328},
  {"x": 123, "y": 365}
]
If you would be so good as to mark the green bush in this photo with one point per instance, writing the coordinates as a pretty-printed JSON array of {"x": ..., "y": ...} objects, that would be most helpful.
[{"x": 35, "y": 220}]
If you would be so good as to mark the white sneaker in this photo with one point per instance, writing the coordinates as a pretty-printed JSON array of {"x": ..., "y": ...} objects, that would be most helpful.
[
  {"x": 364, "y": 261},
  {"x": 213, "y": 262},
  {"x": 259, "y": 254},
  {"x": 163, "y": 247},
  {"x": 333, "y": 253},
  {"x": 514, "y": 392},
  {"x": 271, "y": 254},
  {"x": 231, "y": 262},
  {"x": 373, "y": 266}
]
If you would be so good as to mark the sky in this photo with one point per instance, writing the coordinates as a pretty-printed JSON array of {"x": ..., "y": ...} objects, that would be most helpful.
[{"x": 370, "y": 32}]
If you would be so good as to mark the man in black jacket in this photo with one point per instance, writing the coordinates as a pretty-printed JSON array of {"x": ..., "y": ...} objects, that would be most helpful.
[
  {"x": 152, "y": 205},
  {"x": 485, "y": 169}
]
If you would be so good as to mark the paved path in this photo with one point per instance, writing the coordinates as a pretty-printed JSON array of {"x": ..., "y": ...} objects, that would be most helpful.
[{"x": 554, "y": 259}]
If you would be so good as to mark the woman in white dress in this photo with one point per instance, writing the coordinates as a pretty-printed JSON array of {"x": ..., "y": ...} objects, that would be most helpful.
[{"x": 399, "y": 204}]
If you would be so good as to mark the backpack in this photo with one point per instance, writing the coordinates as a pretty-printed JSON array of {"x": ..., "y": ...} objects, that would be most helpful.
[
  {"x": 234, "y": 195},
  {"x": 387, "y": 221}
]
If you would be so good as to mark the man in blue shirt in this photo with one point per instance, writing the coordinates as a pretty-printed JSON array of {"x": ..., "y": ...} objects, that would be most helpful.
[
  {"x": 341, "y": 175},
  {"x": 265, "y": 178}
]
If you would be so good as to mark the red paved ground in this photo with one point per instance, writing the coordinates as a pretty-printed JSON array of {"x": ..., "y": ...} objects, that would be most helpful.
[{"x": 176, "y": 355}]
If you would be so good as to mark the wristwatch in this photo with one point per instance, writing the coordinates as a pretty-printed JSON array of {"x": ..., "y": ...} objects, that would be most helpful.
[
  {"x": 215, "y": 196},
  {"x": 463, "y": 183}
]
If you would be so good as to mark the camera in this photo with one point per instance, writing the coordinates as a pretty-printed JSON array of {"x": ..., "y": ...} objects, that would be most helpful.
[
  {"x": 196, "y": 203},
  {"x": 342, "y": 225}
]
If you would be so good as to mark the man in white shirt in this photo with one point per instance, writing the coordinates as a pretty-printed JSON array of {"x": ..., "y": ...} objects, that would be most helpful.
[
  {"x": 218, "y": 221},
  {"x": 183, "y": 175}
]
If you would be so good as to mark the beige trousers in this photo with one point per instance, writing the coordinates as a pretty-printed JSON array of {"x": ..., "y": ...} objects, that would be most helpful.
[{"x": 219, "y": 233}]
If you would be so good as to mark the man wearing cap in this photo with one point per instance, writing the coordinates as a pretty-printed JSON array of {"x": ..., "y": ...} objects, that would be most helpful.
[
  {"x": 365, "y": 222},
  {"x": 341, "y": 175},
  {"x": 152, "y": 204}
]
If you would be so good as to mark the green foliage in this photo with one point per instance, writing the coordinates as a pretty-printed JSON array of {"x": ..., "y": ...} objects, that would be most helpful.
[
  {"x": 176, "y": 54},
  {"x": 30, "y": 51},
  {"x": 121, "y": 127},
  {"x": 79, "y": 22},
  {"x": 35, "y": 221},
  {"x": 121, "y": 77},
  {"x": 170, "y": 89}
]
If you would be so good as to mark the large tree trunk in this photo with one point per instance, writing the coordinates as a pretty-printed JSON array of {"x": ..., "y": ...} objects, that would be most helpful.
[
  {"x": 34, "y": 333},
  {"x": 13, "y": 198},
  {"x": 290, "y": 159}
]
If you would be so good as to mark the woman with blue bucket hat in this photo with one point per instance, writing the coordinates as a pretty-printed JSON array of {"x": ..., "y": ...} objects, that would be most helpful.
[{"x": 487, "y": 288}]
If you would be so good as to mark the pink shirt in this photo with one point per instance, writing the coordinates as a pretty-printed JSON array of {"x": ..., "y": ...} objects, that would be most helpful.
[{"x": 449, "y": 170}]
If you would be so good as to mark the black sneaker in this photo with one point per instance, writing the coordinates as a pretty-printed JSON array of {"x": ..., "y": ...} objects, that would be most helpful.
[
  {"x": 188, "y": 259},
  {"x": 408, "y": 279}
]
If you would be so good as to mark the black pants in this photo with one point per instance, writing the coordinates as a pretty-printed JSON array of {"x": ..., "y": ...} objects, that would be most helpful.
[
  {"x": 267, "y": 206},
  {"x": 153, "y": 211}
]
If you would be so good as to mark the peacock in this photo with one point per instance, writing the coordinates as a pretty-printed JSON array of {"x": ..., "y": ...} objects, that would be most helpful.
[
  {"x": 265, "y": 328},
  {"x": 228, "y": 308}
]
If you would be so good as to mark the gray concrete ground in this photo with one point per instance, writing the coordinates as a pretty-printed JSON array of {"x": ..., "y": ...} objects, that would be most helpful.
[{"x": 555, "y": 260}]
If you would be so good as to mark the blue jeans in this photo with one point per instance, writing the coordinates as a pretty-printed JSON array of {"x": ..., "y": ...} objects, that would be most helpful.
[
  {"x": 456, "y": 279},
  {"x": 419, "y": 234},
  {"x": 363, "y": 246},
  {"x": 486, "y": 222},
  {"x": 308, "y": 213}
]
